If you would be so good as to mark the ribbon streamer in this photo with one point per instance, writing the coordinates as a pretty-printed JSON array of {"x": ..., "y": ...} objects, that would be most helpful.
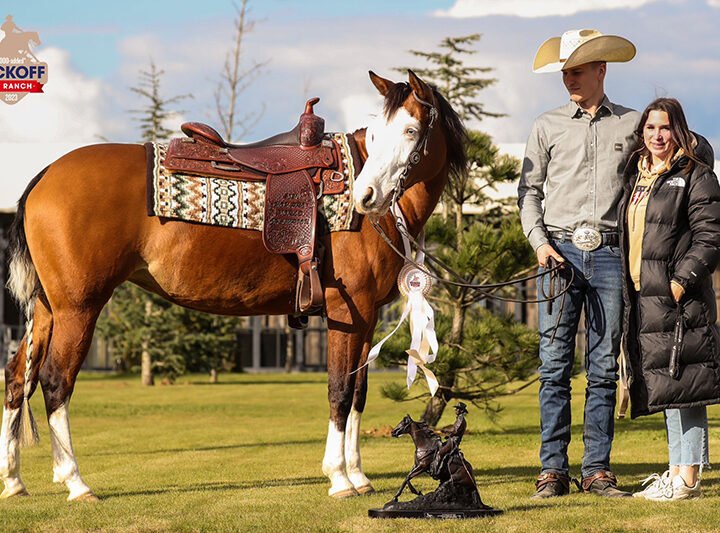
[{"x": 423, "y": 344}]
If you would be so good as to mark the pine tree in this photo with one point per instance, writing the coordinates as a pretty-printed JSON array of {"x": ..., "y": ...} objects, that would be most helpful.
[
  {"x": 155, "y": 113},
  {"x": 481, "y": 353}
]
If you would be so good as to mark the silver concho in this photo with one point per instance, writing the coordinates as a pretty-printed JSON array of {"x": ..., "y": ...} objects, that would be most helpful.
[
  {"x": 412, "y": 279},
  {"x": 587, "y": 239}
]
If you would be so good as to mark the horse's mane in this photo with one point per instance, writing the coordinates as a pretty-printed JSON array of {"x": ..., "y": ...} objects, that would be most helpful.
[
  {"x": 453, "y": 125},
  {"x": 422, "y": 426}
]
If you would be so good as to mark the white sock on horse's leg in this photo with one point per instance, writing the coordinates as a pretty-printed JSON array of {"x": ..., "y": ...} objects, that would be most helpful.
[
  {"x": 352, "y": 454},
  {"x": 65, "y": 467},
  {"x": 10, "y": 456},
  {"x": 334, "y": 464}
]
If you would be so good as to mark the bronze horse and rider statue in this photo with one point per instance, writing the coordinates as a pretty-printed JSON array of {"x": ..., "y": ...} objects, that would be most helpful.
[{"x": 444, "y": 462}]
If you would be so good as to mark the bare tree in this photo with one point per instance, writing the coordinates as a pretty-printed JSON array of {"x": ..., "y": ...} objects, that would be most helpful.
[{"x": 234, "y": 79}]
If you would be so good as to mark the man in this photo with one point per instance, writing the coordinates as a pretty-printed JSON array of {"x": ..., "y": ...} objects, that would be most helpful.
[
  {"x": 573, "y": 162},
  {"x": 452, "y": 443}
]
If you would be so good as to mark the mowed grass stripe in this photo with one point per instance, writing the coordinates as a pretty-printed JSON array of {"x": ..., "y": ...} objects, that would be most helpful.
[{"x": 245, "y": 455}]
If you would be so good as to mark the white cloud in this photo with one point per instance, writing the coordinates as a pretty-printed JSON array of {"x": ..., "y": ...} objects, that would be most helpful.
[
  {"x": 713, "y": 3},
  {"x": 69, "y": 110},
  {"x": 536, "y": 8}
]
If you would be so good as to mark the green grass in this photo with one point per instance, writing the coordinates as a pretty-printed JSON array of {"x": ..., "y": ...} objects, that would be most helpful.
[{"x": 245, "y": 455}]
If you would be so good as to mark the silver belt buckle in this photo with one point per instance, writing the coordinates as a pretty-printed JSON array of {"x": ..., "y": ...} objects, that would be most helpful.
[{"x": 587, "y": 239}]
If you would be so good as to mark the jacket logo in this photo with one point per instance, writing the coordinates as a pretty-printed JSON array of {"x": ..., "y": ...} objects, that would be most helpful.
[{"x": 676, "y": 182}]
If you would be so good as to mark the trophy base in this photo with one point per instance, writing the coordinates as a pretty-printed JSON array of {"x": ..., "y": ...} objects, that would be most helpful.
[{"x": 442, "y": 514}]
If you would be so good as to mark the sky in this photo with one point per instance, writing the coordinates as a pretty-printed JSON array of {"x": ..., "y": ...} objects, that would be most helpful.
[{"x": 95, "y": 51}]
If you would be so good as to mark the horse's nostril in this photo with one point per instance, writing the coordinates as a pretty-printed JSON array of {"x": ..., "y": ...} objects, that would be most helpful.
[{"x": 369, "y": 193}]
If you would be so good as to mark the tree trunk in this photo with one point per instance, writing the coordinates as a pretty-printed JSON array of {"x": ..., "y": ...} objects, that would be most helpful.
[
  {"x": 146, "y": 362},
  {"x": 146, "y": 372},
  {"x": 290, "y": 349},
  {"x": 213, "y": 375},
  {"x": 436, "y": 406}
]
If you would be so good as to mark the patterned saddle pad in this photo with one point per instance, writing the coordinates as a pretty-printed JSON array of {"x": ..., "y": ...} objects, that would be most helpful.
[{"x": 239, "y": 204}]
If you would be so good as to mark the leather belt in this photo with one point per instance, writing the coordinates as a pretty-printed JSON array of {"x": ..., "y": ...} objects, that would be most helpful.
[{"x": 607, "y": 238}]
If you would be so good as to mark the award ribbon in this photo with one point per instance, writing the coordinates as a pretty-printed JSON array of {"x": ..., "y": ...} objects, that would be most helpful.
[{"x": 414, "y": 284}]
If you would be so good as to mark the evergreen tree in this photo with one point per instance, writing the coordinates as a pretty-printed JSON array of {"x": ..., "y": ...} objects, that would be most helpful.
[
  {"x": 481, "y": 353},
  {"x": 155, "y": 113}
]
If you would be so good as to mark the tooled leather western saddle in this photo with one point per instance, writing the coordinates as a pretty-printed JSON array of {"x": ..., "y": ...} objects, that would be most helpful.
[{"x": 298, "y": 167}]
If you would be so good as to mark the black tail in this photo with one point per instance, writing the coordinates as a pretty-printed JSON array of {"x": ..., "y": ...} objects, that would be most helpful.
[{"x": 22, "y": 281}]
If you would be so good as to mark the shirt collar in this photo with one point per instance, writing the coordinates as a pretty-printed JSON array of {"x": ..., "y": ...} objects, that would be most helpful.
[{"x": 606, "y": 108}]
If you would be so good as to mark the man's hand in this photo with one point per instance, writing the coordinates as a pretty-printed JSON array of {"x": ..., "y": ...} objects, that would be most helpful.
[{"x": 545, "y": 251}]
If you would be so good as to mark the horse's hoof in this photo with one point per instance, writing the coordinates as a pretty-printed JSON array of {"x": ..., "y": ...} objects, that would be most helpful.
[
  {"x": 347, "y": 493},
  {"x": 9, "y": 494},
  {"x": 85, "y": 497},
  {"x": 365, "y": 489}
]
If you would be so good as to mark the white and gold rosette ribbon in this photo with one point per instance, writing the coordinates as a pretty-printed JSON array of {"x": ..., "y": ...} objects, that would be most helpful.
[{"x": 414, "y": 285}]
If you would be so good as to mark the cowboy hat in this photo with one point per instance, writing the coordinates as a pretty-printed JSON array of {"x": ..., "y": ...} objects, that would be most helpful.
[
  {"x": 461, "y": 407},
  {"x": 577, "y": 47}
]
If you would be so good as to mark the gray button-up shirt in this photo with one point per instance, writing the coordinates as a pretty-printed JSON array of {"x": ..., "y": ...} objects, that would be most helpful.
[{"x": 574, "y": 162}]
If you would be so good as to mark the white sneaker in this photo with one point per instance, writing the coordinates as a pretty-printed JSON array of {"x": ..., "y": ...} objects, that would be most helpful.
[
  {"x": 659, "y": 486},
  {"x": 682, "y": 492},
  {"x": 675, "y": 489}
]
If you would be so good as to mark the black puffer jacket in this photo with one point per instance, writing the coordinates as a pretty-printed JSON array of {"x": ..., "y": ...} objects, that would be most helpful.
[{"x": 681, "y": 242}]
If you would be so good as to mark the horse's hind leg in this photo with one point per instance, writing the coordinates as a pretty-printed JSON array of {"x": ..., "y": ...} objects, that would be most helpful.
[
  {"x": 14, "y": 383},
  {"x": 69, "y": 345}
]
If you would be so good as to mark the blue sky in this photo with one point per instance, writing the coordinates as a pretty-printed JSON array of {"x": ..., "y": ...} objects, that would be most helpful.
[{"x": 94, "y": 51}]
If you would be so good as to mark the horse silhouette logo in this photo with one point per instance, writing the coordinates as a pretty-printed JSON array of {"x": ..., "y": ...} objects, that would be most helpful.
[{"x": 21, "y": 72}]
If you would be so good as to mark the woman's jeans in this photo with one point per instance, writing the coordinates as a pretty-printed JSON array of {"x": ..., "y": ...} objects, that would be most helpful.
[
  {"x": 687, "y": 435},
  {"x": 597, "y": 288}
]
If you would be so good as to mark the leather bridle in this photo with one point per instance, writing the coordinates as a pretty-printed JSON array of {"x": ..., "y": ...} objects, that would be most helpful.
[{"x": 420, "y": 146}]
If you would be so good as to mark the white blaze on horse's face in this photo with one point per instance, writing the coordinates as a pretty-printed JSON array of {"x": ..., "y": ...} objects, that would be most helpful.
[{"x": 389, "y": 144}]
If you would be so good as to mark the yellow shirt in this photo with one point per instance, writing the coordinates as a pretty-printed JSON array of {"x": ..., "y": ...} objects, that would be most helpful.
[{"x": 637, "y": 206}]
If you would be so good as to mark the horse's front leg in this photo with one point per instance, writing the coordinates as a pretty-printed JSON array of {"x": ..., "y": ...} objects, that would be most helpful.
[
  {"x": 416, "y": 471},
  {"x": 348, "y": 331},
  {"x": 352, "y": 435}
]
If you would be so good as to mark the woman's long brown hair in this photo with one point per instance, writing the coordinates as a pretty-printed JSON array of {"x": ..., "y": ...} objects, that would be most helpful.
[{"x": 678, "y": 125}]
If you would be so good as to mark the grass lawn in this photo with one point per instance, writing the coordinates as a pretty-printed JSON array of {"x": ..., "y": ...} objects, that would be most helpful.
[{"x": 245, "y": 455}]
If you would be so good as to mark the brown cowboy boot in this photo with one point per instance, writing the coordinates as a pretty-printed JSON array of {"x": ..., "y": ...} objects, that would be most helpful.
[
  {"x": 603, "y": 483},
  {"x": 551, "y": 485}
]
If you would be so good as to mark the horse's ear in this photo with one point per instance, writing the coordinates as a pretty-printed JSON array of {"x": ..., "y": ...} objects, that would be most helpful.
[
  {"x": 421, "y": 88},
  {"x": 382, "y": 84}
]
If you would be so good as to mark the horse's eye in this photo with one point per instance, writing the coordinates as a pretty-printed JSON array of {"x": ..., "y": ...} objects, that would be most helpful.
[{"x": 411, "y": 132}]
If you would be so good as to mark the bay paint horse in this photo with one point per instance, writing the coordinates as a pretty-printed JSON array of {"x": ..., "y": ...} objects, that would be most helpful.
[
  {"x": 81, "y": 229},
  {"x": 457, "y": 470}
]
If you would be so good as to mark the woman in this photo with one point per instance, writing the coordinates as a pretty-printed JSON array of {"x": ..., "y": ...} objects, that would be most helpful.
[{"x": 670, "y": 236}]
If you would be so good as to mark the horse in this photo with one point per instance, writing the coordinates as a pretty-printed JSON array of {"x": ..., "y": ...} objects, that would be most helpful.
[
  {"x": 81, "y": 229},
  {"x": 19, "y": 43},
  {"x": 457, "y": 470}
]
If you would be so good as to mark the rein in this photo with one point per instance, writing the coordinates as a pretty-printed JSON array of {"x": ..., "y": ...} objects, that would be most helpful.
[{"x": 556, "y": 289}]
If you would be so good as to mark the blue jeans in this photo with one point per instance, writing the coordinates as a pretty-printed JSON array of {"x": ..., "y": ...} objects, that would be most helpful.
[
  {"x": 687, "y": 434},
  {"x": 597, "y": 288}
]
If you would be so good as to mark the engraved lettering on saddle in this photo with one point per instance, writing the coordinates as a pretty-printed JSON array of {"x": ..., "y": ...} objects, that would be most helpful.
[{"x": 298, "y": 167}]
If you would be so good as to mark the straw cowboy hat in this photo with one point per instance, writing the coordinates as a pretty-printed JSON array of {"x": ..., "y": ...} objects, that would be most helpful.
[{"x": 577, "y": 47}]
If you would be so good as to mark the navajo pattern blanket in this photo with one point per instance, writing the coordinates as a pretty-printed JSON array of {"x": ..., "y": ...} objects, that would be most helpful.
[{"x": 239, "y": 204}]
